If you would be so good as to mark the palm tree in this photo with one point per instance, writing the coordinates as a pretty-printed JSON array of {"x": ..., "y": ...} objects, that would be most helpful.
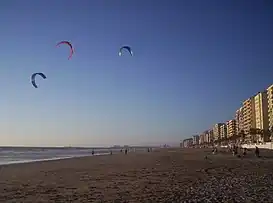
[
  {"x": 241, "y": 136},
  {"x": 253, "y": 133},
  {"x": 262, "y": 134}
]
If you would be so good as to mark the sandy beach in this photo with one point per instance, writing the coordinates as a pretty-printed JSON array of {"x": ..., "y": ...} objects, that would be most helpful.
[{"x": 167, "y": 175}]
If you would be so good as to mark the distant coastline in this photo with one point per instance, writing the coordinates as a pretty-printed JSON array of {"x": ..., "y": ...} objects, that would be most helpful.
[{"x": 71, "y": 147}]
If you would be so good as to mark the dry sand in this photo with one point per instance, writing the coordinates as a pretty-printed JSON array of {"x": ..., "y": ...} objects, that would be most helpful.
[{"x": 168, "y": 175}]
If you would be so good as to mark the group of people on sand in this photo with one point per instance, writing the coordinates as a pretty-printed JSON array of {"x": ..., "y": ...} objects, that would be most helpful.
[
  {"x": 234, "y": 149},
  {"x": 121, "y": 150},
  {"x": 125, "y": 151}
]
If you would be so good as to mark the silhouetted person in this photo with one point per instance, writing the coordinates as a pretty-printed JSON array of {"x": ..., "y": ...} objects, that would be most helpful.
[
  {"x": 236, "y": 150},
  {"x": 126, "y": 151},
  {"x": 93, "y": 152},
  {"x": 244, "y": 151},
  {"x": 111, "y": 152},
  {"x": 214, "y": 151},
  {"x": 257, "y": 152}
]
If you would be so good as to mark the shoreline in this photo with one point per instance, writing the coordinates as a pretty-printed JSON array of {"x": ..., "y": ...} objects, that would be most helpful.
[{"x": 49, "y": 159}]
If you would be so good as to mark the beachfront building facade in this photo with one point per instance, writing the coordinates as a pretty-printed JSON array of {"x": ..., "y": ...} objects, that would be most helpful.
[
  {"x": 223, "y": 131},
  {"x": 181, "y": 143},
  {"x": 187, "y": 143},
  {"x": 206, "y": 133},
  {"x": 202, "y": 138},
  {"x": 216, "y": 131},
  {"x": 270, "y": 106},
  {"x": 249, "y": 121},
  {"x": 211, "y": 137},
  {"x": 231, "y": 128},
  {"x": 239, "y": 120},
  {"x": 195, "y": 139},
  {"x": 253, "y": 122},
  {"x": 261, "y": 110}
]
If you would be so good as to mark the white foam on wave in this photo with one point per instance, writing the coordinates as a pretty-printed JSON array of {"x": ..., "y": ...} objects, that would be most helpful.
[{"x": 48, "y": 159}]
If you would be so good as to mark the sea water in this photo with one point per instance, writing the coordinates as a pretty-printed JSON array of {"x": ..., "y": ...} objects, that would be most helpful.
[{"x": 10, "y": 155}]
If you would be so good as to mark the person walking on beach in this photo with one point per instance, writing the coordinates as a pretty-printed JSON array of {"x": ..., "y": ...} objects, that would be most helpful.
[
  {"x": 235, "y": 150},
  {"x": 214, "y": 151},
  {"x": 257, "y": 152},
  {"x": 93, "y": 152},
  {"x": 126, "y": 151},
  {"x": 244, "y": 151}
]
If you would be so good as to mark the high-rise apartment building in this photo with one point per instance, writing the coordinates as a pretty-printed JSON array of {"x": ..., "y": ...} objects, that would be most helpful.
[
  {"x": 261, "y": 110},
  {"x": 270, "y": 106},
  {"x": 206, "y": 133},
  {"x": 239, "y": 118},
  {"x": 202, "y": 138},
  {"x": 187, "y": 143},
  {"x": 231, "y": 128},
  {"x": 195, "y": 139},
  {"x": 211, "y": 138},
  {"x": 223, "y": 131},
  {"x": 181, "y": 144},
  {"x": 249, "y": 120},
  {"x": 216, "y": 131}
]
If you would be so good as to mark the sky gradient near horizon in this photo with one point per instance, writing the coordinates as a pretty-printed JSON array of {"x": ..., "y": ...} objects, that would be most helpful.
[{"x": 194, "y": 62}]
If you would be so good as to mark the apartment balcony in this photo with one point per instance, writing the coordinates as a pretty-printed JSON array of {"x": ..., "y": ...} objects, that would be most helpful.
[{"x": 247, "y": 123}]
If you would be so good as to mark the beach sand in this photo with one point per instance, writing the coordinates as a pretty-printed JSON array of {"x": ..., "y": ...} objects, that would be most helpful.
[{"x": 166, "y": 175}]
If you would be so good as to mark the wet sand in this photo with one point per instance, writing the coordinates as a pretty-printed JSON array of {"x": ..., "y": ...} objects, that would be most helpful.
[{"x": 168, "y": 175}]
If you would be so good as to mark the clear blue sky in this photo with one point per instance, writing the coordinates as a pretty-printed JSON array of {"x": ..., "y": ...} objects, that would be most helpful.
[{"x": 195, "y": 61}]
